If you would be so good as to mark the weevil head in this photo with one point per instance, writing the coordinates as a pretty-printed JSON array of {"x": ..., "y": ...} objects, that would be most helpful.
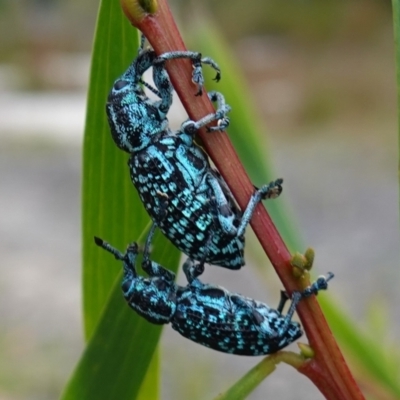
[
  {"x": 133, "y": 118},
  {"x": 153, "y": 298}
]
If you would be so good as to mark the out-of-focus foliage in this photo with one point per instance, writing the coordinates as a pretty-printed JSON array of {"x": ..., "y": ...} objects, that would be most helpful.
[
  {"x": 358, "y": 345},
  {"x": 32, "y": 29}
]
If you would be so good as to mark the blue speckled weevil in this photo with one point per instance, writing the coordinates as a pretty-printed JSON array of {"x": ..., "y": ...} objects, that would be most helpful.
[
  {"x": 186, "y": 198},
  {"x": 208, "y": 314}
]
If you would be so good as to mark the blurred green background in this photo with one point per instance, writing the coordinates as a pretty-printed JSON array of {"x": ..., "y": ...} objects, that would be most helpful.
[{"x": 322, "y": 77}]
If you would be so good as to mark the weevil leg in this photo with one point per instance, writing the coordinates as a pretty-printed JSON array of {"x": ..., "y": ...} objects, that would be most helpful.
[
  {"x": 197, "y": 61},
  {"x": 164, "y": 88},
  {"x": 320, "y": 284},
  {"x": 151, "y": 267},
  {"x": 192, "y": 270},
  {"x": 191, "y": 127},
  {"x": 270, "y": 191},
  {"x": 225, "y": 214},
  {"x": 282, "y": 302}
]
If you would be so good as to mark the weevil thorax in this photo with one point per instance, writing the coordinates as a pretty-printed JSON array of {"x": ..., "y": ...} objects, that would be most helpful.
[
  {"x": 152, "y": 298},
  {"x": 133, "y": 118},
  {"x": 128, "y": 285}
]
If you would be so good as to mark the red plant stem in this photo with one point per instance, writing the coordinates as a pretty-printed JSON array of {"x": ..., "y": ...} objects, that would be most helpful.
[{"x": 328, "y": 369}]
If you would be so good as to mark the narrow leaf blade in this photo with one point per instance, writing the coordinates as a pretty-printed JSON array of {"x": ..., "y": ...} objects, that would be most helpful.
[{"x": 120, "y": 345}]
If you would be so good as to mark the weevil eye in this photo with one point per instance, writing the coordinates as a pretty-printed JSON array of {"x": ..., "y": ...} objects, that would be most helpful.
[{"x": 120, "y": 84}]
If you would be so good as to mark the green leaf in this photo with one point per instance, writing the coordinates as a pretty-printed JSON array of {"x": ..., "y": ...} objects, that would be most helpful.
[
  {"x": 245, "y": 385},
  {"x": 115, "y": 361},
  {"x": 150, "y": 386},
  {"x": 111, "y": 208},
  {"x": 120, "y": 344}
]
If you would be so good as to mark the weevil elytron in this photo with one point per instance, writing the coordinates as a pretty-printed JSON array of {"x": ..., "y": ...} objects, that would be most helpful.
[
  {"x": 185, "y": 197},
  {"x": 209, "y": 314}
]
